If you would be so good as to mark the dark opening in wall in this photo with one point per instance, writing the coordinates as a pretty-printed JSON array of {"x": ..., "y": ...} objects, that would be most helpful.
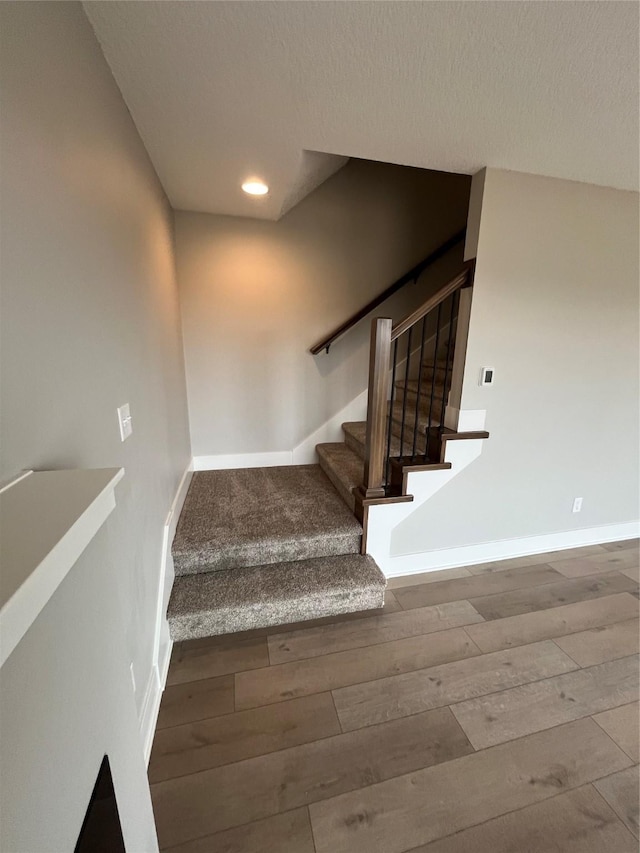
[{"x": 101, "y": 830}]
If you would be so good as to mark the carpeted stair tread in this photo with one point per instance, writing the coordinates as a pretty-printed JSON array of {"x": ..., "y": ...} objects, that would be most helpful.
[
  {"x": 258, "y": 516},
  {"x": 424, "y": 403},
  {"x": 409, "y": 423},
  {"x": 355, "y": 435},
  {"x": 242, "y": 599},
  {"x": 425, "y": 389},
  {"x": 440, "y": 369},
  {"x": 343, "y": 467},
  {"x": 441, "y": 360},
  {"x": 410, "y": 414}
]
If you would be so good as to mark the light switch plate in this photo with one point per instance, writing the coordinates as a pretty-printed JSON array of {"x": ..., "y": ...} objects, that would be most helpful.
[{"x": 124, "y": 421}]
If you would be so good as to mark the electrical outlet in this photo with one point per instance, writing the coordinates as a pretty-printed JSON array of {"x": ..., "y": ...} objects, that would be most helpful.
[
  {"x": 486, "y": 376},
  {"x": 577, "y": 505},
  {"x": 125, "y": 422}
]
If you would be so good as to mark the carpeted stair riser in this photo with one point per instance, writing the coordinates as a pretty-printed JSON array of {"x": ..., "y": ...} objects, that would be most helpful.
[
  {"x": 405, "y": 448},
  {"x": 243, "y": 599},
  {"x": 409, "y": 422},
  {"x": 273, "y": 551},
  {"x": 343, "y": 463},
  {"x": 410, "y": 411},
  {"x": 441, "y": 361},
  {"x": 428, "y": 370},
  {"x": 355, "y": 433},
  {"x": 343, "y": 467},
  {"x": 411, "y": 394},
  {"x": 255, "y": 517},
  {"x": 354, "y": 436}
]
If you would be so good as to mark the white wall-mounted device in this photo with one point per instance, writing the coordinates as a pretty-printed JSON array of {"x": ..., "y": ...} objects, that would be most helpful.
[
  {"x": 124, "y": 421},
  {"x": 486, "y": 376}
]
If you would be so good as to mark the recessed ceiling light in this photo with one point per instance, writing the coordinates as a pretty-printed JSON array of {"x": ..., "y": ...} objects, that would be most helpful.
[{"x": 254, "y": 186}]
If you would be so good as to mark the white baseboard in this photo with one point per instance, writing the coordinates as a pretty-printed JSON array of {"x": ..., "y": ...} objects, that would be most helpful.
[
  {"x": 149, "y": 713},
  {"x": 152, "y": 699},
  {"x": 162, "y": 642},
  {"x": 331, "y": 430},
  {"x": 163, "y": 663},
  {"x": 242, "y": 460},
  {"x": 504, "y": 549},
  {"x": 303, "y": 454},
  {"x": 383, "y": 519}
]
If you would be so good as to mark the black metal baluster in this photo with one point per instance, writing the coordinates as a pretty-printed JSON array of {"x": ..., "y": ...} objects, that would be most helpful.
[
  {"x": 455, "y": 297},
  {"x": 419, "y": 390},
  {"x": 433, "y": 378},
  {"x": 389, "y": 419},
  {"x": 406, "y": 389}
]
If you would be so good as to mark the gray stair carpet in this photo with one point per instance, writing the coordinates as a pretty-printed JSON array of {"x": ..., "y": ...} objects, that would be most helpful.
[
  {"x": 343, "y": 467},
  {"x": 355, "y": 436},
  {"x": 257, "y": 516},
  {"x": 343, "y": 462},
  {"x": 409, "y": 425},
  {"x": 411, "y": 391},
  {"x": 257, "y": 547},
  {"x": 225, "y": 602}
]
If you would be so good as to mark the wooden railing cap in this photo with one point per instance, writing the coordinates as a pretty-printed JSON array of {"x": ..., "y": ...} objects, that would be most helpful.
[{"x": 411, "y": 319}]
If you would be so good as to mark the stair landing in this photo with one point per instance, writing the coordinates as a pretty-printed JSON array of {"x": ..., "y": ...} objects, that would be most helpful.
[
  {"x": 255, "y": 516},
  {"x": 257, "y": 547}
]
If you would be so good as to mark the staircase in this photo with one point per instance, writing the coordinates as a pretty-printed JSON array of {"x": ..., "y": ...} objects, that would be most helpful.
[
  {"x": 257, "y": 547},
  {"x": 272, "y": 546},
  {"x": 418, "y": 406}
]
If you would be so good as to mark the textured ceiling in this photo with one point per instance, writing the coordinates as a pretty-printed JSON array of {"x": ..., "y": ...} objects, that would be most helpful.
[{"x": 224, "y": 90}]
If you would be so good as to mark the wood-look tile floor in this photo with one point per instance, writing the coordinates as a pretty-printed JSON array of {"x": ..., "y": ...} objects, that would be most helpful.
[{"x": 486, "y": 709}]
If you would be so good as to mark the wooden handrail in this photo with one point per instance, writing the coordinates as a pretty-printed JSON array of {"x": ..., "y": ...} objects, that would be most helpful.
[
  {"x": 409, "y": 276},
  {"x": 404, "y": 325}
]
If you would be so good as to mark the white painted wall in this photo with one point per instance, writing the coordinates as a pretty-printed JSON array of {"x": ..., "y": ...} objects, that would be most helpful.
[
  {"x": 90, "y": 320},
  {"x": 256, "y": 295},
  {"x": 555, "y": 312}
]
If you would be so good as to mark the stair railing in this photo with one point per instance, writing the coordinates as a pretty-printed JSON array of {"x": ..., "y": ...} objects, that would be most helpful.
[{"x": 400, "y": 351}]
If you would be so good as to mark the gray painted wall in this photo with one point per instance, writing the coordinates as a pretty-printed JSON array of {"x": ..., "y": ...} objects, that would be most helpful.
[
  {"x": 256, "y": 295},
  {"x": 555, "y": 312},
  {"x": 90, "y": 320}
]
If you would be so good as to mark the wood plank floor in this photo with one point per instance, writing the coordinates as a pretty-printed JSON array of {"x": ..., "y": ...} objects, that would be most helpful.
[{"x": 490, "y": 709}]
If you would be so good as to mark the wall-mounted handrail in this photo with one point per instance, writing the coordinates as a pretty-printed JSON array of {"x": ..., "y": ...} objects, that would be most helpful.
[{"x": 412, "y": 275}]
